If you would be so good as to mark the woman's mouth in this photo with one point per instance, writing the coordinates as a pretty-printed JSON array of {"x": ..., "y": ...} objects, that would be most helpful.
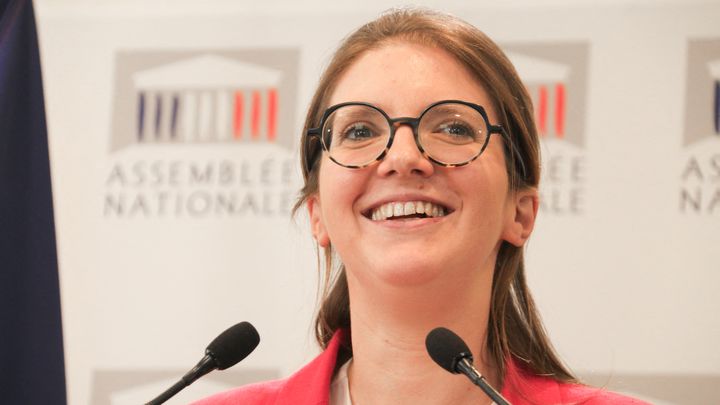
[{"x": 406, "y": 210}]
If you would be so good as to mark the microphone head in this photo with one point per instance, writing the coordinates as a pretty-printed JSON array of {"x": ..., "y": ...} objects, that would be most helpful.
[
  {"x": 233, "y": 345},
  {"x": 447, "y": 349}
]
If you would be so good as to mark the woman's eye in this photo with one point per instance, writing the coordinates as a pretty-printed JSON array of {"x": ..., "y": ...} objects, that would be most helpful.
[
  {"x": 357, "y": 132},
  {"x": 456, "y": 130}
]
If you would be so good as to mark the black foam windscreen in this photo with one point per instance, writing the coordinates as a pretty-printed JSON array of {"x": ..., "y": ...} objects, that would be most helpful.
[
  {"x": 446, "y": 348},
  {"x": 233, "y": 345}
]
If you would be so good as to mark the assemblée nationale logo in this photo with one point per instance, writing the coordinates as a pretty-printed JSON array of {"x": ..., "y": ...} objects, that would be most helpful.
[
  {"x": 555, "y": 75},
  {"x": 202, "y": 133},
  {"x": 700, "y": 173}
]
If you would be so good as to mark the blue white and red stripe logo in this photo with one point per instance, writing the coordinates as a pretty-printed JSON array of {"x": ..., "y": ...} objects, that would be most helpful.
[{"x": 206, "y": 99}]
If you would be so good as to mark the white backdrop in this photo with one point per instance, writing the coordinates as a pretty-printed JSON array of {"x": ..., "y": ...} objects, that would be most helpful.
[{"x": 165, "y": 240}]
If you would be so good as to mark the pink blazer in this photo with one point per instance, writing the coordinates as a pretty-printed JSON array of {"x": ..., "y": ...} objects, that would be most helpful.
[{"x": 311, "y": 386}]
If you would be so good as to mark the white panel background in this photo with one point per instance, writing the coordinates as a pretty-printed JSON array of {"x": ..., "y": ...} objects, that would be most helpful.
[{"x": 628, "y": 287}]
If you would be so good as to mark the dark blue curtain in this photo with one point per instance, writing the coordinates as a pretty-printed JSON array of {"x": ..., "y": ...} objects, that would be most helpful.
[{"x": 32, "y": 369}]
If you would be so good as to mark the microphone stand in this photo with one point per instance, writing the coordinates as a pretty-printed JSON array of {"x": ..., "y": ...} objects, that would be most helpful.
[
  {"x": 204, "y": 366},
  {"x": 467, "y": 368}
]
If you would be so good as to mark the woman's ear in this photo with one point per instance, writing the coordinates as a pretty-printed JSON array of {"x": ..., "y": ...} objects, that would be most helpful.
[
  {"x": 317, "y": 225},
  {"x": 521, "y": 218}
]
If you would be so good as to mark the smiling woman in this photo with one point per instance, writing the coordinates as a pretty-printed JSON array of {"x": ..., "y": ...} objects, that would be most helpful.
[{"x": 427, "y": 212}]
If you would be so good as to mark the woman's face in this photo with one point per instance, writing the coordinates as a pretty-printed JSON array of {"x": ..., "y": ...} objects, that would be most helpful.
[{"x": 403, "y": 79}]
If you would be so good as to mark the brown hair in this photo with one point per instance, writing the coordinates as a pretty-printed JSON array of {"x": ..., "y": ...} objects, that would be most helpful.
[{"x": 514, "y": 325}]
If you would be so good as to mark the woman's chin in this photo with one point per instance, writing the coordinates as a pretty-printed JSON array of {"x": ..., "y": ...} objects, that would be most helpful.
[{"x": 406, "y": 273}]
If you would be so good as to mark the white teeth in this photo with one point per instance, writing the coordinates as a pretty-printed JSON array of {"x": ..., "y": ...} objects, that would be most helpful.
[
  {"x": 386, "y": 211},
  {"x": 409, "y": 208},
  {"x": 398, "y": 209}
]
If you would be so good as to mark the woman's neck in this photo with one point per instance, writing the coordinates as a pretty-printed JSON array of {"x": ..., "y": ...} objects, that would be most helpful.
[{"x": 390, "y": 363}]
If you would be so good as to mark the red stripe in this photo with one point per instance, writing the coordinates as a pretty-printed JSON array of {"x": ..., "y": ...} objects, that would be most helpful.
[
  {"x": 238, "y": 115},
  {"x": 255, "y": 115},
  {"x": 542, "y": 110},
  {"x": 560, "y": 110},
  {"x": 272, "y": 114}
]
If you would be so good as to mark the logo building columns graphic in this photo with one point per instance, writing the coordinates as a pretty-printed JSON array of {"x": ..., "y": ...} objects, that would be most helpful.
[
  {"x": 231, "y": 104},
  {"x": 546, "y": 82},
  {"x": 206, "y": 99},
  {"x": 554, "y": 75}
]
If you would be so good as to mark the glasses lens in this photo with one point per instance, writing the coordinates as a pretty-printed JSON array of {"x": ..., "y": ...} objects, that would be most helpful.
[
  {"x": 453, "y": 133},
  {"x": 356, "y": 134}
]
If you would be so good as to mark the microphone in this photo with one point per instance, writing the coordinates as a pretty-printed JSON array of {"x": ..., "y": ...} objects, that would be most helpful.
[
  {"x": 450, "y": 352},
  {"x": 226, "y": 350}
]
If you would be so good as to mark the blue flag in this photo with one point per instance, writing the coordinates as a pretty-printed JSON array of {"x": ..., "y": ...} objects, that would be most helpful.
[{"x": 32, "y": 369}]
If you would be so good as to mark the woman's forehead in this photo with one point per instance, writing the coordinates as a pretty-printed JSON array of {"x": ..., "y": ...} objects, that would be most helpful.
[{"x": 403, "y": 78}]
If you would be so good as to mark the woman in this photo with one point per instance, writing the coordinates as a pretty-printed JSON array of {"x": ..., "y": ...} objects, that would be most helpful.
[{"x": 421, "y": 167}]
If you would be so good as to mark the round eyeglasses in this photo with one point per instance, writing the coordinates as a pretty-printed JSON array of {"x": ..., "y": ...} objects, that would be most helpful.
[{"x": 449, "y": 133}]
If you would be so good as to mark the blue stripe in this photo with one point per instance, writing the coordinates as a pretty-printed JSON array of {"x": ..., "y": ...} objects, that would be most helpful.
[
  {"x": 158, "y": 114},
  {"x": 141, "y": 116},
  {"x": 717, "y": 107},
  {"x": 173, "y": 122}
]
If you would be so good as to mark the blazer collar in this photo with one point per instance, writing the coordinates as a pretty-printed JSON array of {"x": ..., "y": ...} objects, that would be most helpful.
[{"x": 311, "y": 384}]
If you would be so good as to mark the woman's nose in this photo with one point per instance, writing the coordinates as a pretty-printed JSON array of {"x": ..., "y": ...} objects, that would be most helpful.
[{"x": 404, "y": 156}]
